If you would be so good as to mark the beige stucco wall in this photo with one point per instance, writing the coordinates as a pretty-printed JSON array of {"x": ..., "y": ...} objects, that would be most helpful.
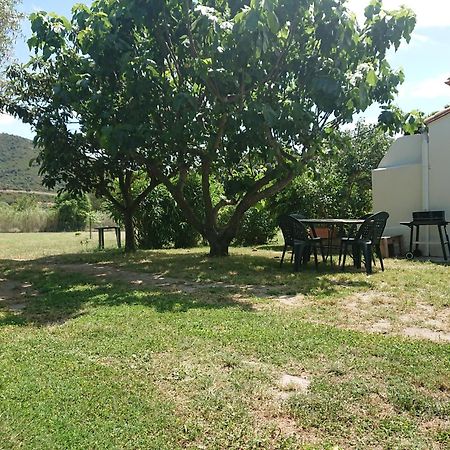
[
  {"x": 439, "y": 135},
  {"x": 439, "y": 170},
  {"x": 398, "y": 190},
  {"x": 404, "y": 151},
  {"x": 397, "y": 184}
]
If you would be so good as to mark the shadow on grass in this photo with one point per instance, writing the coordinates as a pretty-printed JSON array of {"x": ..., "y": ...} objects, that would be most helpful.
[
  {"x": 214, "y": 282},
  {"x": 65, "y": 296},
  {"x": 243, "y": 267}
]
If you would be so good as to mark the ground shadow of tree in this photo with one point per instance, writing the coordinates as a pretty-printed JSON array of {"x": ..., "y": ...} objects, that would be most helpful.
[
  {"x": 61, "y": 298},
  {"x": 240, "y": 268},
  {"x": 216, "y": 283}
]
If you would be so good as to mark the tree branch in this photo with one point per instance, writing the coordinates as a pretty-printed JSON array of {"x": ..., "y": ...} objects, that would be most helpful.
[{"x": 177, "y": 194}]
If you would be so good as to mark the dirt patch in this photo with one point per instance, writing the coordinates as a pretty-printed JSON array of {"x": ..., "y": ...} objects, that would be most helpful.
[
  {"x": 426, "y": 333},
  {"x": 377, "y": 312},
  {"x": 14, "y": 293},
  {"x": 290, "y": 300},
  {"x": 294, "y": 383},
  {"x": 157, "y": 280},
  {"x": 382, "y": 326}
]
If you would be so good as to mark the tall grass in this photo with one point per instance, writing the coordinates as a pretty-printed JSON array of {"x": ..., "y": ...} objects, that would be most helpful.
[
  {"x": 27, "y": 220},
  {"x": 40, "y": 217}
]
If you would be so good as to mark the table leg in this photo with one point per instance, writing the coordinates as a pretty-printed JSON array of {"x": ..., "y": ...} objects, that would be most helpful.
[
  {"x": 101, "y": 239},
  {"x": 446, "y": 237},
  {"x": 330, "y": 243},
  {"x": 441, "y": 237},
  {"x": 356, "y": 249},
  {"x": 118, "y": 238}
]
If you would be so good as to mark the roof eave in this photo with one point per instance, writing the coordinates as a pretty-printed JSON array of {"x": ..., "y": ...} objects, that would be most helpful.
[{"x": 437, "y": 116}]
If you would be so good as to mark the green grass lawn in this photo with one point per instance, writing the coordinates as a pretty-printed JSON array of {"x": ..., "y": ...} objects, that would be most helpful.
[
  {"x": 98, "y": 362},
  {"x": 36, "y": 245}
]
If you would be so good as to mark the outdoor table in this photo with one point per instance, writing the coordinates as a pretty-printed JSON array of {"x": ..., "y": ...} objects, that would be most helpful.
[
  {"x": 101, "y": 236},
  {"x": 331, "y": 224}
]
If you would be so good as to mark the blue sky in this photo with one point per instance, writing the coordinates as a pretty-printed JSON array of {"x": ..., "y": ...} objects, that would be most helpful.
[{"x": 425, "y": 60}]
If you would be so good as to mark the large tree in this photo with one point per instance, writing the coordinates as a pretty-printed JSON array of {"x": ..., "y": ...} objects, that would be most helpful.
[
  {"x": 257, "y": 87},
  {"x": 243, "y": 92}
]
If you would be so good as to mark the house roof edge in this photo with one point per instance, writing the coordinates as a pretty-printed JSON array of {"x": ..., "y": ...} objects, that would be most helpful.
[{"x": 437, "y": 116}]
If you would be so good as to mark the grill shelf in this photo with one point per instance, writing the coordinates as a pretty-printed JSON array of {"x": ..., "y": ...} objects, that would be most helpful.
[{"x": 420, "y": 218}]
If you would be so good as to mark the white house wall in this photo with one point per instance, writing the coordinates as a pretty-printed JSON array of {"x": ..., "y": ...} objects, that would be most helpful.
[
  {"x": 397, "y": 190},
  {"x": 439, "y": 183},
  {"x": 397, "y": 184},
  {"x": 404, "y": 151}
]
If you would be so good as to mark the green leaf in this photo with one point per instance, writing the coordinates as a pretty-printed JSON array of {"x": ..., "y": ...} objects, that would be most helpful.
[
  {"x": 269, "y": 114},
  {"x": 251, "y": 23},
  {"x": 273, "y": 22},
  {"x": 267, "y": 5},
  {"x": 371, "y": 78}
]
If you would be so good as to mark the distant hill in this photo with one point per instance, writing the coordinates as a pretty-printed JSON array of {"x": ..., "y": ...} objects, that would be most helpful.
[{"x": 15, "y": 171}]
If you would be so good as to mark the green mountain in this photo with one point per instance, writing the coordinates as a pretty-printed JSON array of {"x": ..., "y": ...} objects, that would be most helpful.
[{"x": 15, "y": 171}]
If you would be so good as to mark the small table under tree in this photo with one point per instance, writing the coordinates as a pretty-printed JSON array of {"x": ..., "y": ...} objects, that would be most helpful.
[{"x": 101, "y": 236}]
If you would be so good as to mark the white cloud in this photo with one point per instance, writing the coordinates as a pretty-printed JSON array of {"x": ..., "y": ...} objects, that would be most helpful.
[
  {"x": 430, "y": 13},
  {"x": 6, "y": 119},
  {"x": 429, "y": 88}
]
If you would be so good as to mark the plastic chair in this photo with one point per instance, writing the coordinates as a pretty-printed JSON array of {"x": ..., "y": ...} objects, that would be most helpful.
[
  {"x": 366, "y": 241},
  {"x": 297, "y": 236}
]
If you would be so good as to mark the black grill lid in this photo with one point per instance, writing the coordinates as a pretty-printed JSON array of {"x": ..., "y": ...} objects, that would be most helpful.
[{"x": 429, "y": 216}]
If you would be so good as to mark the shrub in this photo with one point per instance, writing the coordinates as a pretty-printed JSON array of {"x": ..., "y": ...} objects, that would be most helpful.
[
  {"x": 159, "y": 222},
  {"x": 73, "y": 212},
  {"x": 340, "y": 183},
  {"x": 258, "y": 225}
]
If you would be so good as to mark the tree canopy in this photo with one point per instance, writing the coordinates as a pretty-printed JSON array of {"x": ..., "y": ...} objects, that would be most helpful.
[
  {"x": 242, "y": 92},
  {"x": 10, "y": 26}
]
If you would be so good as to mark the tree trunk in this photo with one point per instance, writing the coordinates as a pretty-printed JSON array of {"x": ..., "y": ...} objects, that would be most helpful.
[
  {"x": 218, "y": 246},
  {"x": 130, "y": 238}
]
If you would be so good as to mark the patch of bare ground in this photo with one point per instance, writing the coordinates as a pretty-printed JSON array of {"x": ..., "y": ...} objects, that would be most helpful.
[
  {"x": 270, "y": 413},
  {"x": 294, "y": 383},
  {"x": 425, "y": 333},
  {"x": 13, "y": 294},
  {"x": 377, "y": 312},
  {"x": 435, "y": 425},
  {"x": 283, "y": 426},
  {"x": 291, "y": 300}
]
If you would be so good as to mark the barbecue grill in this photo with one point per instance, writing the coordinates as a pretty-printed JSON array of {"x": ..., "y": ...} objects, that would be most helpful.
[{"x": 420, "y": 218}]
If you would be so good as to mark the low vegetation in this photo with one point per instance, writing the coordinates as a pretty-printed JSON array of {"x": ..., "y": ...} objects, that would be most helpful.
[
  {"x": 27, "y": 213},
  {"x": 172, "y": 349}
]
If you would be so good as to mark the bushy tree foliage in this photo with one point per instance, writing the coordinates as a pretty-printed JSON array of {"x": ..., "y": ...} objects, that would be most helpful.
[
  {"x": 9, "y": 26},
  {"x": 158, "y": 221},
  {"x": 72, "y": 212},
  {"x": 256, "y": 89},
  {"x": 244, "y": 92},
  {"x": 82, "y": 95},
  {"x": 341, "y": 184}
]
